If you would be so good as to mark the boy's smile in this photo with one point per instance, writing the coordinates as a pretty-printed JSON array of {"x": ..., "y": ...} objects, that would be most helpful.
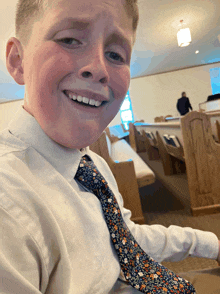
[
  {"x": 76, "y": 68},
  {"x": 84, "y": 97}
]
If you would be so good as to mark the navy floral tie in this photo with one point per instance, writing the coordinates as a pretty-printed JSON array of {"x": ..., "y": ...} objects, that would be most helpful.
[{"x": 140, "y": 270}]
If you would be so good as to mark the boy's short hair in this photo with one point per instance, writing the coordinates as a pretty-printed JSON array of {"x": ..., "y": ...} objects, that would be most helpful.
[{"x": 28, "y": 11}]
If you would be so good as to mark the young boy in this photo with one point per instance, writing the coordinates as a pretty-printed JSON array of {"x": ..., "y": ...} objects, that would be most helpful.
[{"x": 73, "y": 58}]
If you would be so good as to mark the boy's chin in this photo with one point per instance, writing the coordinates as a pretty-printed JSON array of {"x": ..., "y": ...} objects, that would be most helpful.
[
  {"x": 76, "y": 137},
  {"x": 77, "y": 144}
]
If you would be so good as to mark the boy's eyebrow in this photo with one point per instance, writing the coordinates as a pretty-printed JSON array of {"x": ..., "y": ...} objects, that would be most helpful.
[
  {"x": 79, "y": 24},
  {"x": 120, "y": 39},
  {"x": 83, "y": 23}
]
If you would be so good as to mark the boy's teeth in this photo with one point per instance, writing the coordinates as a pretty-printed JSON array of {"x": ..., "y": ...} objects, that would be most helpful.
[
  {"x": 92, "y": 102},
  {"x": 97, "y": 103},
  {"x": 79, "y": 98},
  {"x": 83, "y": 99}
]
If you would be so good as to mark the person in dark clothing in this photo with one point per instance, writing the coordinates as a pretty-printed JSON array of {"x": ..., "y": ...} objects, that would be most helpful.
[{"x": 183, "y": 104}]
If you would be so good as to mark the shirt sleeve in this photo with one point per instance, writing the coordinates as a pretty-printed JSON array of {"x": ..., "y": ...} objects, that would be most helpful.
[
  {"x": 173, "y": 243},
  {"x": 20, "y": 266}
]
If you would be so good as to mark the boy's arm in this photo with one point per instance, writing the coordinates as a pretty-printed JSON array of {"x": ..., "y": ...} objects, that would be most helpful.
[
  {"x": 173, "y": 243},
  {"x": 20, "y": 262}
]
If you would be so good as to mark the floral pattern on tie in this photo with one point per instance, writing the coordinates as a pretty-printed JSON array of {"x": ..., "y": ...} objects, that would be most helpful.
[{"x": 140, "y": 270}]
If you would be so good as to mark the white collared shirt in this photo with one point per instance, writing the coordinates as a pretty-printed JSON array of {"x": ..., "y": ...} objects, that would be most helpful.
[{"x": 54, "y": 238}]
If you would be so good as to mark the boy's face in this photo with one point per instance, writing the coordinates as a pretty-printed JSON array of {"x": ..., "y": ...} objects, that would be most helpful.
[{"x": 81, "y": 47}]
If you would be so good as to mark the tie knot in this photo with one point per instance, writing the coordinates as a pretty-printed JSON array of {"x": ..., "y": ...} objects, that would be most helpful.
[{"x": 89, "y": 176}]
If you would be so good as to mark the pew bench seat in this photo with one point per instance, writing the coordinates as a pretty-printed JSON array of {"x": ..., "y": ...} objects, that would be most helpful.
[
  {"x": 117, "y": 132},
  {"x": 121, "y": 151},
  {"x": 129, "y": 170}
]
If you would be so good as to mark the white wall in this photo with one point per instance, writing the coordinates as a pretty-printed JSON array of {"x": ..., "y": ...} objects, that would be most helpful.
[
  {"x": 157, "y": 95},
  {"x": 116, "y": 120},
  {"x": 7, "y": 111}
]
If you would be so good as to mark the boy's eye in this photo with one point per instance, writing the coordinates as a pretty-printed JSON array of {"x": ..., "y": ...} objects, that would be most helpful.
[
  {"x": 115, "y": 56},
  {"x": 69, "y": 41}
]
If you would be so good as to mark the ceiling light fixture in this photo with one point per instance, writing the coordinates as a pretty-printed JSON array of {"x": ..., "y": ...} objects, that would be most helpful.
[
  {"x": 183, "y": 35},
  {"x": 197, "y": 51}
]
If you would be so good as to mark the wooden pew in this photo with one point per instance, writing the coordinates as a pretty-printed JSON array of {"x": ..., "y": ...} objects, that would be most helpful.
[
  {"x": 202, "y": 155},
  {"x": 214, "y": 116},
  {"x": 217, "y": 128},
  {"x": 117, "y": 132},
  {"x": 154, "y": 135},
  {"x": 215, "y": 120},
  {"x": 136, "y": 140},
  {"x": 195, "y": 149},
  {"x": 167, "y": 116},
  {"x": 141, "y": 142},
  {"x": 159, "y": 119},
  {"x": 124, "y": 173}
]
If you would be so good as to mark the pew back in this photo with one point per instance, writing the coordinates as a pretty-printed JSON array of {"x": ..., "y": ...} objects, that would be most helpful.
[{"x": 195, "y": 146}]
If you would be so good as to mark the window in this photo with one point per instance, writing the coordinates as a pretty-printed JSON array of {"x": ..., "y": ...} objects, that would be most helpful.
[
  {"x": 215, "y": 80},
  {"x": 126, "y": 112}
]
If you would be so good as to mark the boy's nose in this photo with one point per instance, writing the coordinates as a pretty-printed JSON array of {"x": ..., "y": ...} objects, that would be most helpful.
[
  {"x": 95, "y": 69},
  {"x": 88, "y": 74}
]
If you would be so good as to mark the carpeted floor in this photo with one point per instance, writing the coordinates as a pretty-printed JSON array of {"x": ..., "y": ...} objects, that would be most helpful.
[{"x": 160, "y": 206}]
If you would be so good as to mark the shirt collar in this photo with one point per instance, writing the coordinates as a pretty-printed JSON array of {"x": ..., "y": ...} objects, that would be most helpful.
[{"x": 65, "y": 160}]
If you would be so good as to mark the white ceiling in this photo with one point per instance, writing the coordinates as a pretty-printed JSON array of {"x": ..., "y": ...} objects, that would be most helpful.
[{"x": 156, "y": 48}]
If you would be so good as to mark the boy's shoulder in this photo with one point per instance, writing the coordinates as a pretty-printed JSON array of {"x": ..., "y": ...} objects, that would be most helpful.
[{"x": 10, "y": 143}]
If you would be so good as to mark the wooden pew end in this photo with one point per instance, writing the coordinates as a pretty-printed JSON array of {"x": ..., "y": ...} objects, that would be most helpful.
[{"x": 205, "y": 210}]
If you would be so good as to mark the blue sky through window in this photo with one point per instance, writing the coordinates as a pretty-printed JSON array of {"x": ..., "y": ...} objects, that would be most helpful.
[{"x": 215, "y": 80}]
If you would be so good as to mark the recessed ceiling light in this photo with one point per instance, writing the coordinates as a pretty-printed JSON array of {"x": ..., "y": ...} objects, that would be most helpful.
[{"x": 197, "y": 51}]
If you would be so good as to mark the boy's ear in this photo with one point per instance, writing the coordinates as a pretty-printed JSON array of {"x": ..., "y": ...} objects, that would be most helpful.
[{"x": 14, "y": 60}]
